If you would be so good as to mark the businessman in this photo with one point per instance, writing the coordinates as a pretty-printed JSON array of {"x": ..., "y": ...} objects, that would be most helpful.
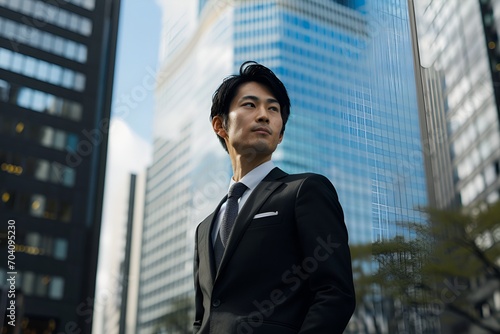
[{"x": 273, "y": 258}]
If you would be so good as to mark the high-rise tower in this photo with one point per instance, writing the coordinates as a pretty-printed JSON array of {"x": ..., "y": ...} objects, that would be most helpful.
[
  {"x": 56, "y": 74},
  {"x": 348, "y": 68},
  {"x": 458, "y": 42}
]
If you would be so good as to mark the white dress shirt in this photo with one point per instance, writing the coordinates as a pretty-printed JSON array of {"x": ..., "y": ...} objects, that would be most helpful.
[{"x": 251, "y": 180}]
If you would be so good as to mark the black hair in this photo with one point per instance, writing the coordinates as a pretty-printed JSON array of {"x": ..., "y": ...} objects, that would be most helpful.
[{"x": 250, "y": 71}]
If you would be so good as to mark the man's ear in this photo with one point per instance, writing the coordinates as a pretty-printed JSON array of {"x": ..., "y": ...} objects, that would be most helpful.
[{"x": 218, "y": 126}]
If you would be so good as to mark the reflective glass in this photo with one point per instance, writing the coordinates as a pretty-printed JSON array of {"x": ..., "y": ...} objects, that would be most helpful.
[
  {"x": 60, "y": 249},
  {"x": 28, "y": 281},
  {"x": 56, "y": 290}
]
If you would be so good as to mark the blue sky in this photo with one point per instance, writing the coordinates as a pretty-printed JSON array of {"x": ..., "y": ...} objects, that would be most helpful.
[
  {"x": 130, "y": 136},
  {"x": 137, "y": 54}
]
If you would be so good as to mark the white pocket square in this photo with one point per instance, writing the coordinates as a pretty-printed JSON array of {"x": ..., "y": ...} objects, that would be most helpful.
[{"x": 265, "y": 214}]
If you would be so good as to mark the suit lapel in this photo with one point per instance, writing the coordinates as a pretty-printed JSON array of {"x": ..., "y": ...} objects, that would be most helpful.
[
  {"x": 258, "y": 197},
  {"x": 206, "y": 247}
]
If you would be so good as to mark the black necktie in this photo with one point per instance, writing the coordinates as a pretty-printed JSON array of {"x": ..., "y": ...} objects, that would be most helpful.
[
  {"x": 227, "y": 222},
  {"x": 234, "y": 194}
]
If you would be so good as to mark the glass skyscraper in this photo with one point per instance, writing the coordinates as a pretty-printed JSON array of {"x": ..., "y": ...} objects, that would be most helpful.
[
  {"x": 348, "y": 67},
  {"x": 454, "y": 47},
  {"x": 460, "y": 58},
  {"x": 56, "y": 76}
]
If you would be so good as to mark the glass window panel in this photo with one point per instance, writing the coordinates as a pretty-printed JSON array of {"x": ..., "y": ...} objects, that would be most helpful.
[
  {"x": 5, "y": 58},
  {"x": 71, "y": 142},
  {"x": 4, "y": 90},
  {"x": 47, "y": 137},
  {"x": 28, "y": 283},
  {"x": 24, "y": 98},
  {"x": 56, "y": 173},
  {"x": 69, "y": 177},
  {"x": 79, "y": 82},
  {"x": 43, "y": 70},
  {"x": 56, "y": 74},
  {"x": 9, "y": 30},
  {"x": 30, "y": 67},
  {"x": 51, "y": 14},
  {"x": 39, "y": 101},
  {"x": 59, "y": 139},
  {"x": 74, "y": 22},
  {"x": 47, "y": 41},
  {"x": 15, "y": 5},
  {"x": 68, "y": 78},
  {"x": 63, "y": 18},
  {"x": 42, "y": 170},
  {"x": 60, "y": 249},
  {"x": 490, "y": 175},
  {"x": 56, "y": 289},
  {"x": 89, "y": 4},
  {"x": 76, "y": 111},
  {"x": 82, "y": 53},
  {"x": 86, "y": 27},
  {"x": 51, "y": 104},
  {"x": 70, "y": 51},
  {"x": 27, "y": 5},
  {"x": 58, "y": 45},
  {"x": 41, "y": 285},
  {"x": 17, "y": 63},
  {"x": 37, "y": 206},
  {"x": 33, "y": 239}
]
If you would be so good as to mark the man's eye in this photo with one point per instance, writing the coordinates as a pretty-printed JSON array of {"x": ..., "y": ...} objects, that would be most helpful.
[
  {"x": 249, "y": 104},
  {"x": 274, "y": 109}
]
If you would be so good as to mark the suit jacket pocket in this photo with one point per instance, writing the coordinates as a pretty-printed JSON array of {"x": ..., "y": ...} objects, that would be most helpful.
[{"x": 265, "y": 221}]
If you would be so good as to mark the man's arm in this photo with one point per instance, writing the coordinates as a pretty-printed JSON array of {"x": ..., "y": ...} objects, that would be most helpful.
[
  {"x": 323, "y": 237},
  {"x": 198, "y": 302}
]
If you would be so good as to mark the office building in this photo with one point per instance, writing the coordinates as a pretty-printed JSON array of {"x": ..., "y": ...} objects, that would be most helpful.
[
  {"x": 460, "y": 59},
  {"x": 456, "y": 42},
  {"x": 349, "y": 72},
  {"x": 56, "y": 75}
]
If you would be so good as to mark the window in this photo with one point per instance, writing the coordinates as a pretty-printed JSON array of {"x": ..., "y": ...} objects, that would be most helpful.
[
  {"x": 28, "y": 282},
  {"x": 4, "y": 90},
  {"x": 19, "y": 33},
  {"x": 56, "y": 289},
  {"x": 37, "y": 207},
  {"x": 43, "y": 102},
  {"x": 41, "y": 285},
  {"x": 45, "y": 71},
  {"x": 60, "y": 249}
]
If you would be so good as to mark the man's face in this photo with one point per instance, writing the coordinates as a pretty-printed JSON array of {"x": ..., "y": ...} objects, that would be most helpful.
[{"x": 254, "y": 122}]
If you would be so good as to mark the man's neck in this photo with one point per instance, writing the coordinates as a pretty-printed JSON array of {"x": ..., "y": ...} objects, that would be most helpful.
[{"x": 243, "y": 165}]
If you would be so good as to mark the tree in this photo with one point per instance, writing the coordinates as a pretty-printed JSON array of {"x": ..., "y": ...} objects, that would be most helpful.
[{"x": 434, "y": 271}]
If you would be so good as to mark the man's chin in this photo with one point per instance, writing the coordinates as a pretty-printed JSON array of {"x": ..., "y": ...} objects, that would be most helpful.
[{"x": 257, "y": 150}]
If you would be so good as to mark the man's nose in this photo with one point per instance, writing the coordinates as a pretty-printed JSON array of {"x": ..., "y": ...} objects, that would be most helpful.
[{"x": 262, "y": 115}]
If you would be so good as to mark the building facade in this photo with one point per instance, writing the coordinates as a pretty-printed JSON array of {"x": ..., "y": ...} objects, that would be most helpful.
[
  {"x": 348, "y": 68},
  {"x": 460, "y": 59},
  {"x": 453, "y": 43},
  {"x": 56, "y": 76}
]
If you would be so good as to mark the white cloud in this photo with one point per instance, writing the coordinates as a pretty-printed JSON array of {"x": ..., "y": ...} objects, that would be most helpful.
[{"x": 127, "y": 153}]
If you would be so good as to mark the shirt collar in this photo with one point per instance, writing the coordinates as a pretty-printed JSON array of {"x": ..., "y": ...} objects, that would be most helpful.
[{"x": 253, "y": 178}]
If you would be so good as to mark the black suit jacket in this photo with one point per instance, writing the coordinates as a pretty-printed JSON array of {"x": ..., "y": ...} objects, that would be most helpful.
[{"x": 286, "y": 268}]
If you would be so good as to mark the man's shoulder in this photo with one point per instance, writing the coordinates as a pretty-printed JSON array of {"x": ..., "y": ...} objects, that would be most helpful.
[
  {"x": 300, "y": 179},
  {"x": 304, "y": 176}
]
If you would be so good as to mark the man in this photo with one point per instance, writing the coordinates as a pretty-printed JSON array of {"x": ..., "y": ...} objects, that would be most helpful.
[{"x": 273, "y": 257}]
